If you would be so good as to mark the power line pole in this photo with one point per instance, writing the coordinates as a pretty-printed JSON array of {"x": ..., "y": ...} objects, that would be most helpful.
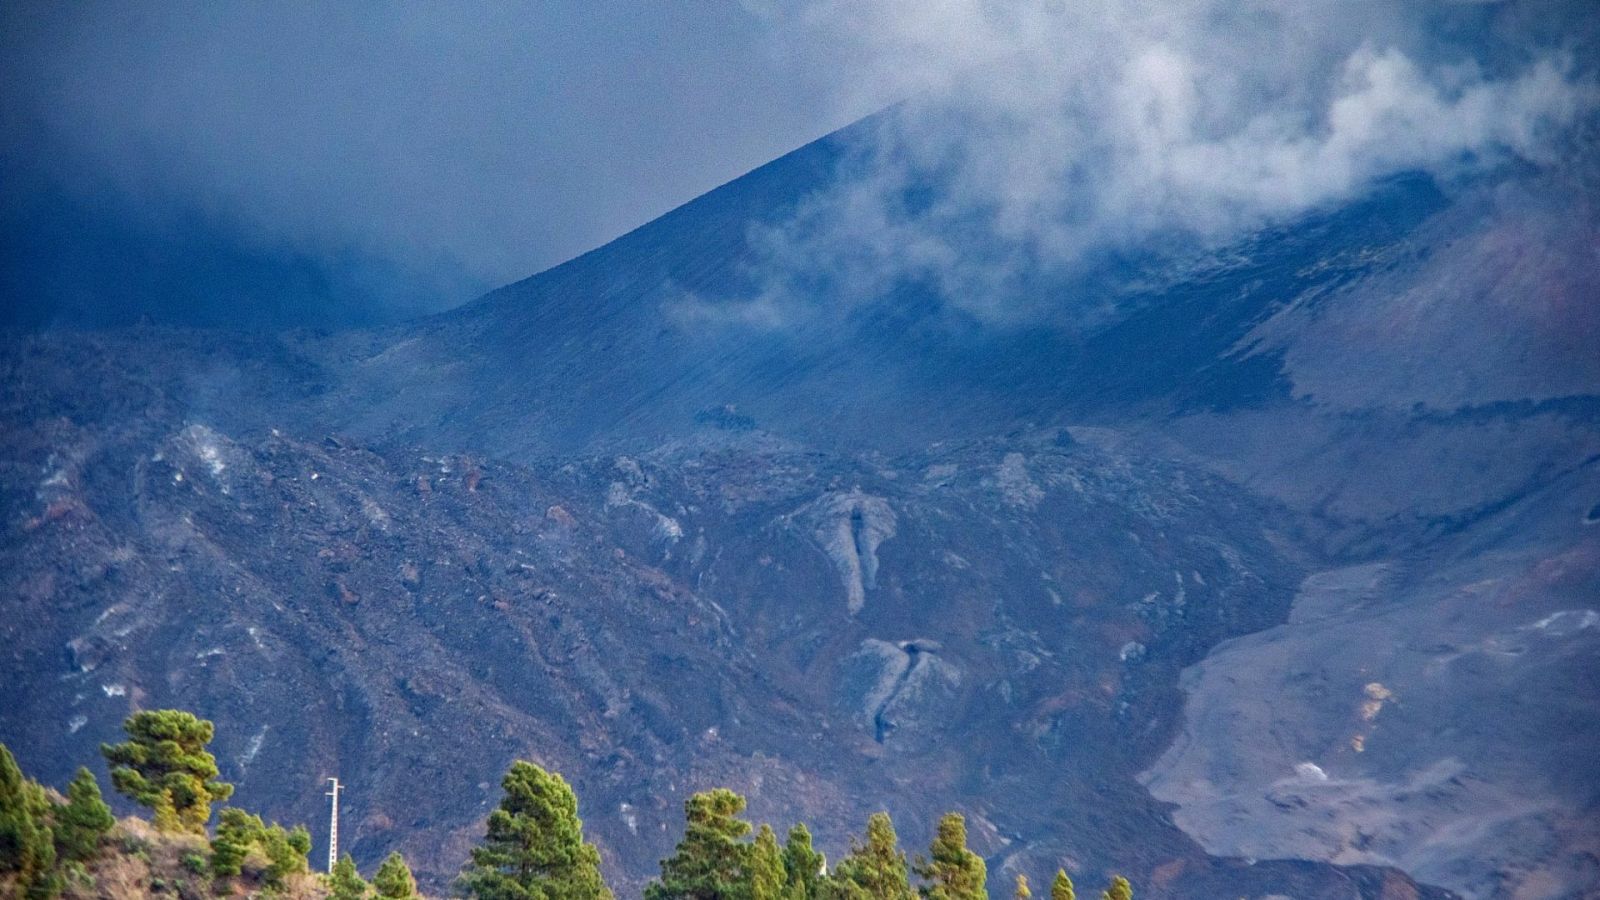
[{"x": 333, "y": 827}]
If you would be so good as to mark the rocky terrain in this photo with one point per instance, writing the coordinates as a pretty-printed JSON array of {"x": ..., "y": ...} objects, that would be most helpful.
[{"x": 1276, "y": 576}]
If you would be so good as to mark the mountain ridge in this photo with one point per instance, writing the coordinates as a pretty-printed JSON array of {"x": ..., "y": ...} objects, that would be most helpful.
[{"x": 561, "y": 523}]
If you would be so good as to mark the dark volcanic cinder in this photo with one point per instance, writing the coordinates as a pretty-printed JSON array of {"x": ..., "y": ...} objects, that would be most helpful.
[{"x": 1175, "y": 592}]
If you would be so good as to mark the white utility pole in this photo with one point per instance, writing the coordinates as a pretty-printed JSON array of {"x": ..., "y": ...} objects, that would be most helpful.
[{"x": 333, "y": 827}]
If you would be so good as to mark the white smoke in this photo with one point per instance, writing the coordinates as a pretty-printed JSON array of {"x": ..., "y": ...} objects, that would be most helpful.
[{"x": 1054, "y": 130}]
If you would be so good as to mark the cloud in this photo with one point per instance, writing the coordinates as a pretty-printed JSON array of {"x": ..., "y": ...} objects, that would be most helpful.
[
  {"x": 453, "y": 147},
  {"x": 1035, "y": 136},
  {"x": 405, "y": 157}
]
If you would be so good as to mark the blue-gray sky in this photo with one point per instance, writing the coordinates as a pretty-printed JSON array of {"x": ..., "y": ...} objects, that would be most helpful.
[
  {"x": 367, "y": 158},
  {"x": 322, "y": 163}
]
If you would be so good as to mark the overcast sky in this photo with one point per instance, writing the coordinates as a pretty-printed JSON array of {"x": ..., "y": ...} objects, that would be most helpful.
[
  {"x": 329, "y": 163},
  {"x": 457, "y": 146}
]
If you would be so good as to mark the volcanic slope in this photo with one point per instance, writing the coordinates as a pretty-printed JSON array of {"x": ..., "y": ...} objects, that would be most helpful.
[{"x": 887, "y": 557}]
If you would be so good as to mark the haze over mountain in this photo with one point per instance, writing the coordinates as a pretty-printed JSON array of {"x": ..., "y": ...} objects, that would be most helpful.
[{"x": 1177, "y": 485}]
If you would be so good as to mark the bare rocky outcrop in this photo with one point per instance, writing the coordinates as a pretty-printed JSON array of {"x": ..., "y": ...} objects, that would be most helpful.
[
  {"x": 904, "y": 691},
  {"x": 850, "y": 526},
  {"x": 1360, "y": 732}
]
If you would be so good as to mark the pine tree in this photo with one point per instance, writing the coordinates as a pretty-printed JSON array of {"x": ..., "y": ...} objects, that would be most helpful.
[
  {"x": 237, "y": 832},
  {"x": 27, "y": 846},
  {"x": 165, "y": 814},
  {"x": 345, "y": 882},
  {"x": 1021, "y": 892},
  {"x": 164, "y": 765},
  {"x": 802, "y": 866},
  {"x": 1061, "y": 887},
  {"x": 18, "y": 829},
  {"x": 286, "y": 851},
  {"x": 83, "y": 821},
  {"x": 874, "y": 869},
  {"x": 393, "y": 879},
  {"x": 1120, "y": 889},
  {"x": 534, "y": 847},
  {"x": 710, "y": 862},
  {"x": 952, "y": 872},
  {"x": 767, "y": 877}
]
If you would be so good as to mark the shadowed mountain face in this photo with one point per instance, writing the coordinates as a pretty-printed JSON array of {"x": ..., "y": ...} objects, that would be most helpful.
[{"x": 1265, "y": 569}]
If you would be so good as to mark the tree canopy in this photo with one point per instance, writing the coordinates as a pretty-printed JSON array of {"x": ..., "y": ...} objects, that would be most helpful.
[
  {"x": 164, "y": 765},
  {"x": 239, "y": 833},
  {"x": 345, "y": 881},
  {"x": 767, "y": 878},
  {"x": 802, "y": 866},
  {"x": 534, "y": 847},
  {"x": 1061, "y": 887},
  {"x": 393, "y": 879},
  {"x": 951, "y": 871},
  {"x": 710, "y": 861},
  {"x": 84, "y": 820},
  {"x": 875, "y": 868},
  {"x": 27, "y": 845}
]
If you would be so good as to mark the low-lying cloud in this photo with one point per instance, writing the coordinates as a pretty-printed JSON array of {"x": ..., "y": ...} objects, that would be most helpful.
[
  {"x": 1037, "y": 135},
  {"x": 404, "y": 158}
]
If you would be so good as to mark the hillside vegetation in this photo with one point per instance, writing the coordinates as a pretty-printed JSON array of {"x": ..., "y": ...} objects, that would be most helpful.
[{"x": 533, "y": 846}]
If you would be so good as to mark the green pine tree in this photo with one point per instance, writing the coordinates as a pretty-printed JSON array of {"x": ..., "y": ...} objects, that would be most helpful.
[
  {"x": 237, "y": 833},
  {"x": 874, "y": 869},
  {"x": 534, "y": 847},
  {"x": 1061, "y": 887},
  {"x": 393, "y": 879},
  {"x": 802, "y": 866},
  {"x": 345, "y": 882},
  {"x": 27, "y": 846},
  {"x": 165, "y": 814},
  {"x": 1120, "y": 889},
  {"x": 164, "y": 765},
  {"x": 83, "y": 821},
  {"x": 767, "y": 877},
  {"x": 1021, "y": 892},
  {"x": 286, "y": 851},
  {"x": 951, "y": 871},
  {"x": 710, "y": 861}
]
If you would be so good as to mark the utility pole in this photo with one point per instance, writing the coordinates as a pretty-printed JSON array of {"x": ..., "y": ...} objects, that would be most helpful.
[{"x": 333, "y": 827}]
